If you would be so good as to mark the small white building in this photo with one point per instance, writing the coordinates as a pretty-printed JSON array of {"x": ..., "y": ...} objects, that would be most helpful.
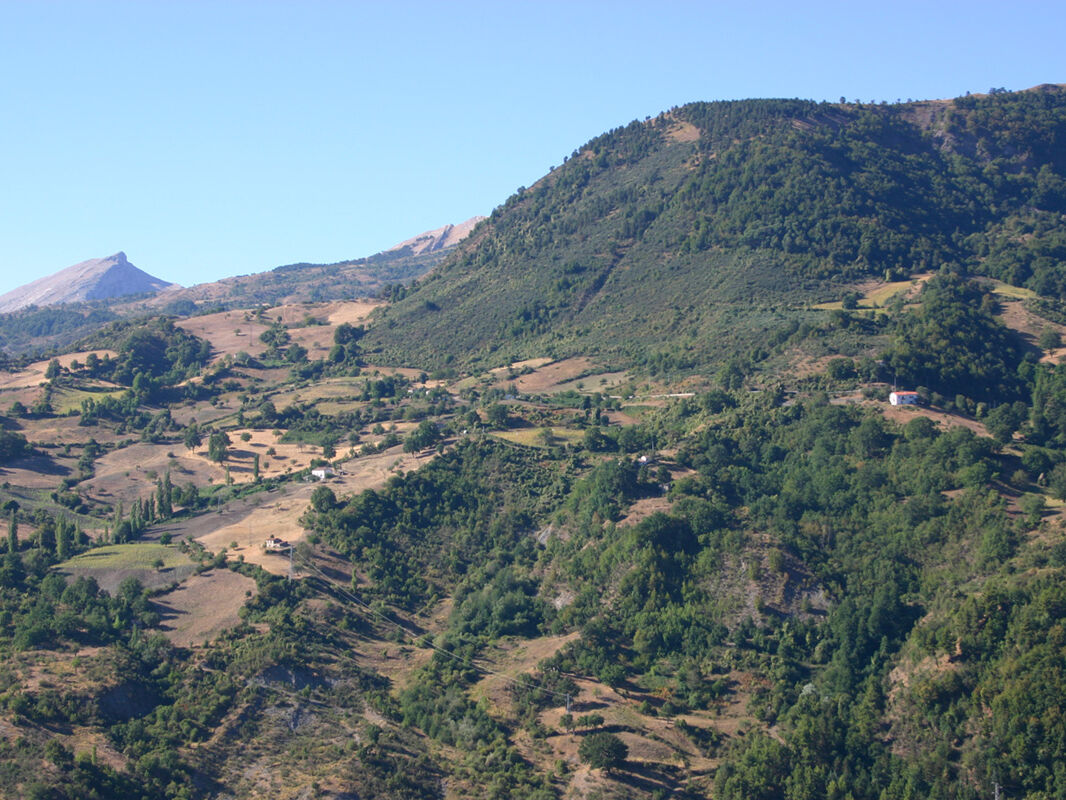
[
  {"x": 904, "y": 398},
  {"x": 323, "y": 472}
]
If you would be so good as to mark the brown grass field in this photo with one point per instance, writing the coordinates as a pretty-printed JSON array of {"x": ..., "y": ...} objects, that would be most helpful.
[
  {"x": 602, "y": 382},
  {"x": 288, "y": 457},
  {"x": 229, "y": 332},
  {"x": 203, "y": 606},
  {"x": 325, "y": 389},
  {"x": 901, "y": 415},
  {"x": 131, "y": 472},
  {"x": 113, "y": 563},
  {"x": 33, "y": 375},
  {"x": 547, "y": 376},
  {"x": 654, "y": 742},
  {"x": 278, "y": 514},
  {"x": 534, "y": 437},
  {"x": 38, "y": 472},
  {"x": 65, "y": 430}
]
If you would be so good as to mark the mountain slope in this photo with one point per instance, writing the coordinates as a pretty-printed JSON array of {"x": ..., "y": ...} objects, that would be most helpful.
[
  {"x": 38, "y": 329},
  {"x": 442, "y": 238},
  {"x": 661, "y": 234},
  {"x": 343, "y": 280},
  {"x": 95, "y": 279}
]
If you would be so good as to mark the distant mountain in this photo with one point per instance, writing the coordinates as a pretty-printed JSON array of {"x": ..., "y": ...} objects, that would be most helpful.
[
  {"x": 306, "y": 282},
  {"x": 686, "y": 238},
  {"x": 41, "y": 328},
  {"x": 95, "y": 279}
]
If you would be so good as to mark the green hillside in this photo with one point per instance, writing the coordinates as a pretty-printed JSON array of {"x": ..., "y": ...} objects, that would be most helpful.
[{"x": 714, "y": 223}]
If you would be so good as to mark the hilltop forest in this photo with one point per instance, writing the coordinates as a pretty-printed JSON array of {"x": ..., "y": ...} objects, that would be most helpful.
[
  {"x": 691, "y": 235},
  {"x": 612, "y": 503}
]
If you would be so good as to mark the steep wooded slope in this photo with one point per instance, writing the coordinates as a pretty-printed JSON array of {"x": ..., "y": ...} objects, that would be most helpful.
[{"x": 700, "y": 229}]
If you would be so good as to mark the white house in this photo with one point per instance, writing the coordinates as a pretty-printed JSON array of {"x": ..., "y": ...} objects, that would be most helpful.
[
  {"x": 323, "y": 472},
  {"x": 904, "y": 398}
]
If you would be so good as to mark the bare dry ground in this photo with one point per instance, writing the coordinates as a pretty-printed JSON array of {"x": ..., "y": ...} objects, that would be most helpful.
[
  {"x": 656, "y": 744},
  {"x": 204, "y": 412},
  {"x": 600, "y": 382},
  {"x": 318, "y": 339},
  {"x": 333, "y": 312},
  {"x": 131, "y": 472},
  {"x": 683, "y": 132},
  {"x": 904, "y": 414},
  {"x": 229, "y": 332},
  {"x": 33, "y": 375},
  {"x": 653, "y": 741},
  {"x": 151, "y": 563},
  {"x": 1016, "y": 316},
  {"x": 802, "y": 365},
  {"x": 278, "y": 513},
  {"x": 203, "y": 606},
  {"x": 514, "y": 662},
  {"x": 546, "y": 377},
  {"x": 240, "y": 459},
  {"x": 344, "y": 388},
  {"x": 644, "y": 508},
  {"x": 280, "y": 519},
  {"x": 352, "y": 312},
  {"x": 38, "y": 472},
  {"x": 65, "y": 430},
  {"x": 27, "y": 395},
  {"x": 371, "y": 472}
]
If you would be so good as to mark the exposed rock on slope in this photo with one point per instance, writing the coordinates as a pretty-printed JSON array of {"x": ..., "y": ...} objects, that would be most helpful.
[
  {"x": 439, "y": 239},
  {"x": 95, "y": 279}
]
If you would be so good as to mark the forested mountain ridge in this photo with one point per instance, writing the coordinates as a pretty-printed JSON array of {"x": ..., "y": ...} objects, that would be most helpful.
[{"x": 712, "y": 223}]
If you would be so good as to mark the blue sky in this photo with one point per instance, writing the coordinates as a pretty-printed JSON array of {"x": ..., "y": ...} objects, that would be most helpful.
[{"x": 208, "y": 139}]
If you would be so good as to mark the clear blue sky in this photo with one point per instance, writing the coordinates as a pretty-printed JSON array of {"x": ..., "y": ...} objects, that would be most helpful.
[{"x": 209, "y": 139}]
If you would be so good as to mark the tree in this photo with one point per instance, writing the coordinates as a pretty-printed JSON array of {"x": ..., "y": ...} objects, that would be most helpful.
[
  {"x": 52, "y": 372},
  {"x": 323, "y": 499},
  {"x": 165, "y": 497},
  {"x": 496, "y": 415},
  {"x": 1050, "y": 339},
  {"x": 193, "y": 438},
  {"x": 329, "y": 445},
  {"x": 217, "y": 446},
  {"x": 425, "y": 435},
  {"x": 1057, "y": 481},
  {"x": 64, "y": 539},
  {"x": 603, "y": 751}
]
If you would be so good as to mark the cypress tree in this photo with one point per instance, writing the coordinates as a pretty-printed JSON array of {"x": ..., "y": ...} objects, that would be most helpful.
[{"x": 64, "y": 539}]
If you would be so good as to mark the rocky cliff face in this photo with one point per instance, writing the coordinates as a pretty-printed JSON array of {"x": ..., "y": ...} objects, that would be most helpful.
[
  {"x": 439, "y": 239},
  {"x": 95, "y": 279}
]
